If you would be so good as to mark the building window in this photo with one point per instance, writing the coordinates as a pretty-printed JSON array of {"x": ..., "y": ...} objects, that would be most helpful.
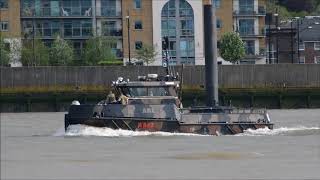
[
  {"x": 3, "y": 4},
  {"x": 77, "y": 28},
  {"x": 219, "y": 23},
  {"x": 317, "y": 59},
  {"x": 301, "y": 46},
  {"x": 217, "y": 3},
  {"x": 76, "y": 8},
  {"x": 109, "y": 8},
  {"x": 138, "y": 45},
  {"x": 246, "y": 6},
  {"x": 138, "y": 24},
  {"x": 137, "y": 4},
  {"x": 246, "y": 27},
  {"x": 179, "y": 28},
  {"x": 4, "y": 26},
  {"x": 250, "y": 47},
  {"x": 302, "y": 60},
  {"x": 317, "y": 46},
  {"x": 109, "y": 28}
]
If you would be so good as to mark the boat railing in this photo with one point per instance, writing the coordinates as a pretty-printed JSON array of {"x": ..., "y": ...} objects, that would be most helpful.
[{"x": 248, "y": 111}]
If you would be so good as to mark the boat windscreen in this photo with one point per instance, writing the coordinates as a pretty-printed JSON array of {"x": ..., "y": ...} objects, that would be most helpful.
[{"x": 148, "y": 91}]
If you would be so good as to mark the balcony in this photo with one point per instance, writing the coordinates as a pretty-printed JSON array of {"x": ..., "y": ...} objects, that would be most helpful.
[
  {"x": 112, "y": 32},
  {"x": 110, "y": 13},
  {"x": 117, "y": 52},
  {"x": 250, "y": 12},
  {"x": 252, "y": 55},
  {"x": 250, "y": 32},
  {"x": 63, "y": 12}
]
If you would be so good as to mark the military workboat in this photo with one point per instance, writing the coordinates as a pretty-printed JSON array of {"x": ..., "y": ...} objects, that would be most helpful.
[{"x": 152, "y": 103}]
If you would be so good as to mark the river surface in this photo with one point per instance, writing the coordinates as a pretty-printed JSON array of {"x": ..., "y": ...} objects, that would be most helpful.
[{"x": 34, "y": 146}]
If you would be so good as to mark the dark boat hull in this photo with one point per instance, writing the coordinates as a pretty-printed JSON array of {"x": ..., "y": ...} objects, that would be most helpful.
[{"x": 134, "y": 124}]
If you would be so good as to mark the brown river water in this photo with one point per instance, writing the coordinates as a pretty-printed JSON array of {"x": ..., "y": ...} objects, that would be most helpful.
[{"x": 35, "y": 146}]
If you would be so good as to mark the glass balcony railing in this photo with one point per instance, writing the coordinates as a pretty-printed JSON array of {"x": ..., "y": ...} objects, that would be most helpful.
[
  {"x": 112, "y": 32},
  {"x": 56, "y": 12},
  {"x": 117, "y": 52},
  {"x": 251, "y": 31},
  {"x": 251, "y": 12},
  {"x": 108, "y": 12}
]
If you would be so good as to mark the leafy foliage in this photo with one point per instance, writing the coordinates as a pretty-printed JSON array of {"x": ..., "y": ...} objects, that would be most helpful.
[
  {"x": 61, "y": 52},
  {"x": 293, "y": 8},
  {"x": 273, "y": 8},
  {"x": 4, "y": 53},
  {"x": 98, "y": 49},
  {"x": 34, "y": 53},
  {"x": 146, "y": 54},
  {"x": 231, "y": 47}
]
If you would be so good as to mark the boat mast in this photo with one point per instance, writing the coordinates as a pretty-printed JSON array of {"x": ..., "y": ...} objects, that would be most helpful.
[{"x": 211, "y": 65}]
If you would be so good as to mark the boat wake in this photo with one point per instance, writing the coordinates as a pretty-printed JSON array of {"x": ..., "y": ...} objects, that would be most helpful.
[
  {"x": 83, "y": 130},
  {"x": 285, "y": 131}
]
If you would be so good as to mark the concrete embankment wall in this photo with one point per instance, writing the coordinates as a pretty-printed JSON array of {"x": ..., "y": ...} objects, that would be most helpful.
[
  {"x": 53, "y": 88},
  {"x": 237, "y": 76}
]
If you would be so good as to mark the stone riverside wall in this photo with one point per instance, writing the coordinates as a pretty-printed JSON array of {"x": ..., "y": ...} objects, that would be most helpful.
[{"x": 230, "y": 76}]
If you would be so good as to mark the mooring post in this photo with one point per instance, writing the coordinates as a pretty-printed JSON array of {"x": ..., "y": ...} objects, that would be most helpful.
[{"x": 211, "y": 65}]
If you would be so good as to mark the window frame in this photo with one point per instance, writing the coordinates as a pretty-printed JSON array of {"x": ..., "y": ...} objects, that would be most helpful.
[
  {"x": 136, "y": 24},
  {"x": 2, "y": 23},
  {"x": 137, "y": 2},
  {"x": 6, "y": 2},
  {"x": 317, "y": 48},
  {"x": 317, "y": 59},
  {"x": 302, "y": 58},
  {"x": 137, "y": 43},
  {"x": 302, "y": 44}
]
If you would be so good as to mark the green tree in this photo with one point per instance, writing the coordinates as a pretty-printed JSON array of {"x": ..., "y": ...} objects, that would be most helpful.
[
  {"x": 146, "y": 54},
  {"x": 61, "y": 53},
  {"x": 4, "y": 52},
  {"x": 98, "y": 50},
  {"x": 231, "y": 47},
  {"x": 34, "y": 53},
  {"x": 273, "y": 7}
]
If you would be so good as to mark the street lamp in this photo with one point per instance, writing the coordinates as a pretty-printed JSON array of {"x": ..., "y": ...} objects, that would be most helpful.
[{"x": 129, "y": 47}]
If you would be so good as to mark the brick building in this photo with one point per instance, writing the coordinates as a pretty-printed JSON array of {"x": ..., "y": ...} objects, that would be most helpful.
[
  {"x": 134, "y": 23},
  {"x": 10, "y": 28},
  {"x": 295, "y": 41}
]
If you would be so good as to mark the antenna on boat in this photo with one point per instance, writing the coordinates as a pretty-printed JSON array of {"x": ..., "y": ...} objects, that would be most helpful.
[{"x": 181, "y": 82}]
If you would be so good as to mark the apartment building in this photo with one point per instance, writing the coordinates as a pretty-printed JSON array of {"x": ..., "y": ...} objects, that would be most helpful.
[
  {"x": 10, "y": 28},
  {"x": 182, "y": 22},
  {"x": 73, "y": 20},
  {"x": 134, "y": 23},
  {"x": 249, "y": 22}
]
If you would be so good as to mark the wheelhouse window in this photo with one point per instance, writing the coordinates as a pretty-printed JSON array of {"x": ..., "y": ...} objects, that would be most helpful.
[{"x": 148, "y": 91}]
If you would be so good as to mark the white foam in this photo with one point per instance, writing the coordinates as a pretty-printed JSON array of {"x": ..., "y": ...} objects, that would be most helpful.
[
  {"x": 83, "y": 130},
  {"x": 301, "y": 130}
]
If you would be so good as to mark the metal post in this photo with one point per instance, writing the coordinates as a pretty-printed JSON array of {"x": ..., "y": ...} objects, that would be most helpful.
[
  {"x": 210, "y": 55},
  {"x": 277, "y": 37},
  {"x": 215, "y": 55},
  {"x": 129, "y": 46},
  {"x": 298, "y": 38},
  {"x": 291, "y": 42},
  {"x": 269, "y": 40},
  {"x": 33, "y": 33}
]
